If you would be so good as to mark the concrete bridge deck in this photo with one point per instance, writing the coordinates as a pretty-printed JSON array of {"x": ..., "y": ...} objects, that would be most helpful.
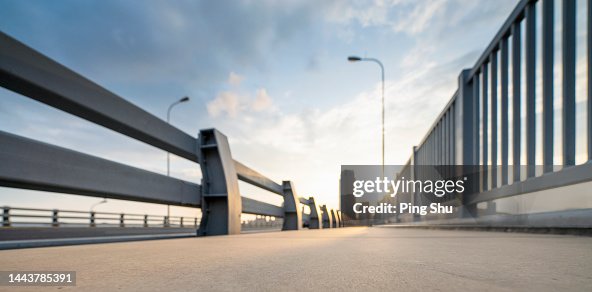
[{"x": 345, "y": 259}]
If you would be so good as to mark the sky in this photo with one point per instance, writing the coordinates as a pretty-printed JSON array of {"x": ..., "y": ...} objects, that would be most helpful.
[{"x": 272, "y": 76}]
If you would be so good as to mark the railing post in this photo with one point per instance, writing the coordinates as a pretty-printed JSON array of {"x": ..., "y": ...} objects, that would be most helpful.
[
  {"x": 315, "y": 221},
  {"x": 145, "y": 220},
  {"x": 335, "y": 218},
  {"x": 221, "y": 200},
  {"x": 467, "y": 131},
  {"x": 54, "y": 218},
  {"x": 292, "y": 213},
  {"x": 121, "y": 220},
  {"x": 6, "y": 216},
  {"x": 327, "y": 219},
  {"x": 92, "y": 219}
]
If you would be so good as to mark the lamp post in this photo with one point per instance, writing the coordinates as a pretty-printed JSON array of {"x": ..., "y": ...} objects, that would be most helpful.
[
  {"x": 358, "y": 59},
  {"x": 92, "y": 208},
  {"x": 184, "y": 99}
]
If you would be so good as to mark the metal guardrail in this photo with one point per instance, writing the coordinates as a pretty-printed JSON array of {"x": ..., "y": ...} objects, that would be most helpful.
[
  {"x": 31, "y": 164},
  {"x": 58, "y": 218},
  {"x": 477, "y": 118}
]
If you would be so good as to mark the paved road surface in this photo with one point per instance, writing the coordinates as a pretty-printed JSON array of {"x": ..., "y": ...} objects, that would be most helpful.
[{"x": 349, "y": 258}]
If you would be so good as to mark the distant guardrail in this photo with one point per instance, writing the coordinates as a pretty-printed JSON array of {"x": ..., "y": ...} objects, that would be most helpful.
[{"x": 28, "y": 217}]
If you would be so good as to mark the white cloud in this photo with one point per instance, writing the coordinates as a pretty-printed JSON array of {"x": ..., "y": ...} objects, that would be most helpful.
[
  {"x": 233, "y": 104},
  {"x": 420, "y": 17},
  {"x": 410, "y": 16},
  {"x": 262, "y": 101},
  {"x": 225, "y": 102},
  {"x": 235, "y": 79}
]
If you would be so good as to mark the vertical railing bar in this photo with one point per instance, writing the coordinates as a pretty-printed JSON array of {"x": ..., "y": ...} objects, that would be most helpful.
[
  {"x": 484, "y": 124},
  {"x": 446, "y": 141},
  {"x": 466, "y": 119},
  {"x": 569, "y": 82},
  {"x": 427, "y": 154},
  {"x": 476, "y": 141},
  {"x": 494, "y": 119},
  {"x": 547, "y": 74},
  {"x": 439, "y": 142},
  {"x": 516, "y": 41},
  {"x": 530, "y": 50},
  {"x": 450, "y": 139},
  {"x": 446, "y": 137},
  {"x": 468, "y": 149},
  {"x": 504, "y": 108},
  {"x": 477, "y": 137},
  {"x": 432, "y": 149},
  {"x": 453, "y": 135},
  {"x": 589, "y": 48},
  {"x": 435, "y": 144},
  {"x": 422, "y": 154},
  {"x": 427, "y": 150}
]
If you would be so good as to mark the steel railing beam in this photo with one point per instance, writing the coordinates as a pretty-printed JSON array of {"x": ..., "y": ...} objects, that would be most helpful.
[
  {"x": 251, "y": 176},
  {"x": 567, "y": 176},
  {"x": 29, "y": 164},
  {"x": 251, "y": 206}
]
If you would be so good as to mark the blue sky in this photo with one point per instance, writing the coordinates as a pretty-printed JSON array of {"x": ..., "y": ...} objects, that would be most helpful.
[{"x": 271, "y": 75}]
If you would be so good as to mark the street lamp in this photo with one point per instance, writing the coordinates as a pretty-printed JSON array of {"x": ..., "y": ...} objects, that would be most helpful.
[
  {"x": 92, "y": 208},
  {"x": 358, "y": 59},
  {"x": 184, "y": 99}
]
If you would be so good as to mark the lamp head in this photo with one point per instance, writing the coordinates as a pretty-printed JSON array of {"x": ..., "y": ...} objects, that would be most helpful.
[
  {"x": 354, "y": 58},
  {"x": 184, "y": 99}
]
